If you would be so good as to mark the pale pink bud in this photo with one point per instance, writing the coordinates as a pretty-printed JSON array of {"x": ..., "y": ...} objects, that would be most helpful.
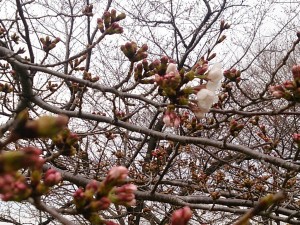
[
  {"x": 117, "y": 174},
  {"x": 172, "y": 68},
  {"x": 52, "y": 177},
  {"x": 278, "y": 94},
  {"x": 176, "y": 122},
  {"x": 277, "y": 91},
  {"x": 167, "y": 120},
  {"x": 288, "y": 84},
  {"x": 181, "y": 216},
  {"x": 124, "y": 195},
  {"x": 296, "y": 72},
  {"x": 158, "y": 79},
  {"x": 93, "y": 186}
]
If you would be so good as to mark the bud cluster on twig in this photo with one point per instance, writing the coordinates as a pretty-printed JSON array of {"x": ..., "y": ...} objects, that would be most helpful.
[
  {"x": 98, "y": 196},
  {"x": 289, "y": 89},
  {"x": 108, "y": 23}
]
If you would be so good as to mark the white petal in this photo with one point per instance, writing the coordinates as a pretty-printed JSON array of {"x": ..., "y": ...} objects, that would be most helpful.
[
  {"x": 213, "y": 86},
  {"x": 215, "y": 73},
  {"x": 172, "y": 68},
  {"x": 205, "y": 99}
]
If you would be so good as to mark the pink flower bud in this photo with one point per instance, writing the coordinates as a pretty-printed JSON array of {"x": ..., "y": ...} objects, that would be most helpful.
[
  {"x": 93, "y": 186},
  {"x": 167, "y": 120},
  {"x": 296, "y": 72},
  {"x": 79, "y": 194},
  {"x": 116, "y": 175},
  {"x": 296, "y": 138},
  {"x": 124, "y": 195},
  {"x": 176, "y": 122},
  {"x": 290, "y": 85},
  {"x": 277, "y": 91},
  {"x": 181, "y": 216},
  {"x": 52, "y": 177}
]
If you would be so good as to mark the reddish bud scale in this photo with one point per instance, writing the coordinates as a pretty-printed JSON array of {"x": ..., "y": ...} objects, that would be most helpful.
[
  {"x": 296, "y": 138},
  {"x": 107, "y": 19},
  {"x": 113, "y": 15}
]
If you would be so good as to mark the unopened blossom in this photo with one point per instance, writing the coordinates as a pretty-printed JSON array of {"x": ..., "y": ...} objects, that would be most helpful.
[
  {"x": 101, "y": 204},
  {"x": 171, "y": 119},
  {"x": 205, "y": 99},
  {"x": 124, "y": 195},
  {"x": 13, "y": 187},
  {"x": 116, "y": 175},
  {"x": 289, "y": 85},
  {"x": 215, "y": 74},
  {"x": 172, "y": 68},
  {"x": 52, "y": 177},
  {"x": 277, "y": 91},
  {"x": 296, "y": 138},
  {"x": 181, "y": 216},
  {"x": 296, "y": 72}
]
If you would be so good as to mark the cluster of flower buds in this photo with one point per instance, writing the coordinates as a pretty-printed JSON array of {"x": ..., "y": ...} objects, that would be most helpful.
[
  {"x": 289, "y": 89},
  {"x": 15, "y": 38},
  {"x": 76, "y": 62},
  {"x": 88, "y": 76},
  {"x": 66, "y": 142},
  {"x": 133, "y": 53},
  {"x": 235, "y": 127},
  {"x": 15, "y": 160},
  {"x": 13, "y": 185},
  {"x": 110, "y": 135},
  {"x": 98, "y": 196},
  {"x": 49, "y": 44},
  {"x": 233, "y": 75},
  {"x": 159, "y": 153},
  {"x": 170, "y": 81},
  {"x": 43, "y": 127},
  {"x": 6, "y": 88},
  {"x": 52, "y": 86},
  {"x": 52, "y": 177},
  {"x": 88, "y": 10},
  {"x": 109, "y": 24},
  {"x": 206, "y": 97},
  {"x": 40, "y": 184},
  {"x": 170, "y": 118},
  {"x": 224, "y": 25},
  {"x": 181, "y": 216},
  {"x": 123, "y": 195}
]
